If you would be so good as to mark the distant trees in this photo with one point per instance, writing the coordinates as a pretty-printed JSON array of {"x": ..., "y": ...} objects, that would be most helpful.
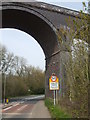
[
  {"x": 7, "y": 61},
  {"x": 77, "y": 67},
  {"x": 18, "y": 78},
  {"x": 36, "y": 81}
]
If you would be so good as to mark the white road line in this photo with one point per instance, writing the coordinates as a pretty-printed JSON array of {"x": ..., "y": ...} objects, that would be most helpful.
[
  {"x": 10, "y": 107},
  {"x": 22, "y": 102},
  {"x": 16, "y": 114},
  {"x": 16, "y": 104},
  {"x": 35, "y": 97},
  {"x": 7, "y": 108},
  {"x": 22, "y": 107}
]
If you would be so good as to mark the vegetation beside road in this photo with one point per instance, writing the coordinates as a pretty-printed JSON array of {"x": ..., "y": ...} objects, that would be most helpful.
[
  {"x": 19, "y": 78},
  {"x": 56, "y": 111},
  {"x": 75, "y": 81}
]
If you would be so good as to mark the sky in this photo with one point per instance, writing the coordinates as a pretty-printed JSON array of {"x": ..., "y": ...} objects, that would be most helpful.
[{"x": 23, "y": 45}]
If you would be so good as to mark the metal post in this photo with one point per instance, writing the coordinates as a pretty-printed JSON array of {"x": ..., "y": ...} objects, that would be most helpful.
[
  {"x": 54, "y": 98},
  {"x": 89, "y": 7},
  {"x": 4, "y": 87}
]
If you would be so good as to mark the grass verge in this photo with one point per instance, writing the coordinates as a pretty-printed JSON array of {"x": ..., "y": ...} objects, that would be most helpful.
[{"x": 55, "y": 111}]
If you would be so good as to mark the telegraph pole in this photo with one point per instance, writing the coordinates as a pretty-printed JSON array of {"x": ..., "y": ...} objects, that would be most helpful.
[
  {"x": 4, "y": 87},
  {"x": 89, "y": 7},
  {"x": 89, "y": 62}
]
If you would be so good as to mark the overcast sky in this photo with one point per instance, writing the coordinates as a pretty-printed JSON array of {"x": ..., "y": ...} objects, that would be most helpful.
[{"x": 23, "y": 45}]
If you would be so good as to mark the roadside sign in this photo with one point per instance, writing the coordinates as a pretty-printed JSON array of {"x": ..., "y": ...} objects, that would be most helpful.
[
  {"x": 7, "y": 101},
  {"x": 54, "y": 83}
]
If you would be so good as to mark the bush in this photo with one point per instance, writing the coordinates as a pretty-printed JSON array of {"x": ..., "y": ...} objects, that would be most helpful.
[{"x": 56, "y": 111}]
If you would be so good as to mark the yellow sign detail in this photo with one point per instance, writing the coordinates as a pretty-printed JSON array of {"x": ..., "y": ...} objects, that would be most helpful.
[
  {"x": 54, "y": 83},
  {"x": 7, "y": 100}
]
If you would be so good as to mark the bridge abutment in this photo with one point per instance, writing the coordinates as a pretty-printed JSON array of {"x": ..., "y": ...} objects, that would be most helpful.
[
  {"x": 52, "y": 66},
  {"x": 58, "y": 64}
]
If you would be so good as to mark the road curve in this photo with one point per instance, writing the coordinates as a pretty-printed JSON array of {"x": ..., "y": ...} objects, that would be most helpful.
[{"x": 30, "y": 107}]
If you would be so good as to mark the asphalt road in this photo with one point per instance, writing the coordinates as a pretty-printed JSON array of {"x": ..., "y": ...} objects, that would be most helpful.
[
  {"x": 19, "y": 110},
  {"x": 27, "y": 107}
]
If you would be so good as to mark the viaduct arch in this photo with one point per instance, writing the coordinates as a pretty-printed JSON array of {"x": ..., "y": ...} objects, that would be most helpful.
[{"x": 41, "y": 21}]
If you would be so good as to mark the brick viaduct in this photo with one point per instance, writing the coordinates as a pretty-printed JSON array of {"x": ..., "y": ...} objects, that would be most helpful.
[{"x": 41, "y": 21}]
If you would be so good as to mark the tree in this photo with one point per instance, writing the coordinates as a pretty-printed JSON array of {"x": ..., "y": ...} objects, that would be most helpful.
[
  {"x": 76, "y": 68},
  {"x": 7, "y": 60},
  {"x": 18, "y": 77},
  {"x": 6, "y": 64}
]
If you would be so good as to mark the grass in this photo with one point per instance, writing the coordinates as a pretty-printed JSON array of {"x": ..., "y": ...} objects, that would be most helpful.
[{"x": 55, "y": 111}]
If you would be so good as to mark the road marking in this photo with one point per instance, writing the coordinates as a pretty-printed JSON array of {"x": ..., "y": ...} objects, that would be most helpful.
[
  {"x": 16, "y": 104},
  {"x": 22, "y": 102},
  {"x": 35, "y": 97},
  {"x": 22, "y": 107},
  {"x": 16, "y": 114},
  {"x": 7, "y": 108}
]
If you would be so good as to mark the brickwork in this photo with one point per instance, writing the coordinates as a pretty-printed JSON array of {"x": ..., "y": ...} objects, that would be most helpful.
[{"x": 41, "y": 21}]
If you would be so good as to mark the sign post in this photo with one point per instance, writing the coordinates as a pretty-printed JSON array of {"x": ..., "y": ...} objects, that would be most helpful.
[
  {"x": 54, "y": 85},
  {"x": 54, "y": 98}
]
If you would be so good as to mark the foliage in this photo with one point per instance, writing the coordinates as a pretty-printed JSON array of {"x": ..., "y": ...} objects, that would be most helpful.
[
  {"x": 74, "y": 38},
  {"x": 56, "y": 111},
  {"x": 18, "y": 78}
]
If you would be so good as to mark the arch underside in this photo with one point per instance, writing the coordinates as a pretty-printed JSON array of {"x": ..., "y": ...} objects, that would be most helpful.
[
  {"x": 34, "y": 26},
  {"x": 40, "y": 30}
]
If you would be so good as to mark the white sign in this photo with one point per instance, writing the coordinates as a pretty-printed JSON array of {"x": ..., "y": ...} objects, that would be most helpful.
[
  {"x": 53, "y": 78},
  {"x": 54, "y": 83}
]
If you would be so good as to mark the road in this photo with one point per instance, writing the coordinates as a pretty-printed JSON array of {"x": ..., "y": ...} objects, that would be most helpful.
[{"x": 29, "y": 107}]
